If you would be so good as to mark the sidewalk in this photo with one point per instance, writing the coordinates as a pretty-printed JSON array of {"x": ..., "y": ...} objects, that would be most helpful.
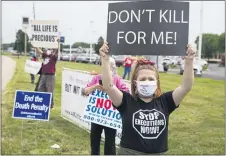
[{"x": 8, "y": 68}]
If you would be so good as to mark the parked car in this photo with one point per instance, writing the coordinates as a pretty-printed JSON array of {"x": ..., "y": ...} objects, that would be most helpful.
[
  {"x": 119, "y": 60},
  {"x": 92, "y": 58},
  {"x": 114, "y": 56},
  {"x": 65, "y": 57},
  {"x": 197, "y": 67},
  {"x": 98, "y": 60},
  {"x": 61, "y": 56},
  {"x": 179, "y": 60},
  {"x": 73, "y": 57},
  {"x": 202, "y": 62},
  {"x": 82, "y": 58},
  {"x": 165, "y": 66},
  {"x": 159, "y": 63},
  {"x": 222, "y": 62},
  {"x": 168, "y": 61}
]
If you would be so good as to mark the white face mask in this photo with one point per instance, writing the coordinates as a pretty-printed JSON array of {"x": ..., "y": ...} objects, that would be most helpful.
[
  {"x": 48, "y": 52},
  {"x": 146, "y": 89}
]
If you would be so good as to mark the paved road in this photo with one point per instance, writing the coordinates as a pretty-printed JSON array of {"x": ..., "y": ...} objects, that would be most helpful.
[
  {"x": 8, "y": 67},
  {"x": 214, "y": 72}
]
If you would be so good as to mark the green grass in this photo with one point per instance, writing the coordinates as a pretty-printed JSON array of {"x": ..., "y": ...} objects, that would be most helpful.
[{"x": 197, "y": 127}]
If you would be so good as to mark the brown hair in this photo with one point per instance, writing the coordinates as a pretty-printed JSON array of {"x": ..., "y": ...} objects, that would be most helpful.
[{"x": 144, "y": 64}]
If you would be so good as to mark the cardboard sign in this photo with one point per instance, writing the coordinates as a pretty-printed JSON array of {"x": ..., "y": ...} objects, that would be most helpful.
[
  {"x": 148, "y": 28},
  {"x": 32, "y": 67},
  {"x": 99, "y": 110},
  {"x": 32, "y": 105},
  {"x": 73, "y": 103},
  {"x": 44, "y": 33}
]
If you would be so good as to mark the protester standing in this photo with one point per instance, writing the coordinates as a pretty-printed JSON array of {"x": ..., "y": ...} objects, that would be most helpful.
[
  {"x": 33, "y": 58},
  {"x": 96, "y": 130},
  {"x": 47, "y": 77},
  {"x": 127, "y": 67},
  {"x": 40, "y": 74},
  {"x": 145, "y": 112}
]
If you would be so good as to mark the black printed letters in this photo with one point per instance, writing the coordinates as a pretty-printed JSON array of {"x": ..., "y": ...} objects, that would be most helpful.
[{"x": 72, "y": 88}]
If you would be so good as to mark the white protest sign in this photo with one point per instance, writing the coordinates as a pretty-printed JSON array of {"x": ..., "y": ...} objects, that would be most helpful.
[
  {"x": 99, "y": 110},
  {"x": 44, "y": 33},
  {"x": 73, "y": 103},
  {"x": 32, "y": 67}
]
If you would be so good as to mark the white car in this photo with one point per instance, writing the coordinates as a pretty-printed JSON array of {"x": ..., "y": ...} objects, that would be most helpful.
[
  {"x": 168, "y": 61},
  {"x": 202, "y": 62},
  {"x": 82, "y": 58},
  {"x": 197, "y": 67},
  {"x": 162, "y": 65},
  {"x": 92, "y": 58}
]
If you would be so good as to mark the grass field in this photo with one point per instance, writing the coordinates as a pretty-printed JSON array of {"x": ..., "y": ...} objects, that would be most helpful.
[{"x": 197, "y": 127}]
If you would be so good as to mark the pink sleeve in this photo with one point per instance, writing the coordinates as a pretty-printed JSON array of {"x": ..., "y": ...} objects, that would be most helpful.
[
  {"x": 121, "y": 85},
  {"x": 93, "y": 81}
]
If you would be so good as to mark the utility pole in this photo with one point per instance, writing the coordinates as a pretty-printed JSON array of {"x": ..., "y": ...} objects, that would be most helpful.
[
  {"x": 34, "y": 10},
  {"x": 25, "y": 24},
  {"x": 200, "y": 35},
  {"x": 91, "y": 35},
  {"x": 70, "y": 48},
  {"x": 34, "y": 19},
  {"x": 59, "y": 53},
  {"x": 25, "y": 41}
]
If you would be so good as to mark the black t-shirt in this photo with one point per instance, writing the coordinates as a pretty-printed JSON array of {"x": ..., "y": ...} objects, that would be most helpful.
[{"x": 145, "y": 125}]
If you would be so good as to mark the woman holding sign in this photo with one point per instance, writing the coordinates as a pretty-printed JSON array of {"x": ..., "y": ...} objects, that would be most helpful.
[
  {"x": 145, "y": 112},
  {"x": 96, "y": 130}
]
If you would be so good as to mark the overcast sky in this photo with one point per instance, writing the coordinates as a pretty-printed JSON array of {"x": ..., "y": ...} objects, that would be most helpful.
[{"x": 74, "y": 18}]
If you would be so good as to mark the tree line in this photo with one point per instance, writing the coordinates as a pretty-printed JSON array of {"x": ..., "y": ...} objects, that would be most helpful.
[{"x": 212, "y": 44}]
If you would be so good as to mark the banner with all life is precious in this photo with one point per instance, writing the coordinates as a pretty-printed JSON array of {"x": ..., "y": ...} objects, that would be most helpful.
[
  {"x": 44, "y": 33},
  {"x": 82, "y": 110}
]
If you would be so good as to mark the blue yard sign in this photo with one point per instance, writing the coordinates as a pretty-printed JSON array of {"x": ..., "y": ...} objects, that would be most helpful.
[{"x": 32, "y": 105}]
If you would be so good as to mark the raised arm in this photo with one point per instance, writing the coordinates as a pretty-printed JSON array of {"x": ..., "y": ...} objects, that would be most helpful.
[
  {"x": 55, "y": 52},
  {"x": 188, "y": 78},
  {"x": 91, "y": 86},
  {"x": 88, "y": 90},
  {"x": 113, "y": 92},
  {"x": 39, "y": 50}
]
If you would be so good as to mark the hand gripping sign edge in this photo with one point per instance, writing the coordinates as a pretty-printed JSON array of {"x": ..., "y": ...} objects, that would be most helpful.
[{"x": 160, "y": 132}]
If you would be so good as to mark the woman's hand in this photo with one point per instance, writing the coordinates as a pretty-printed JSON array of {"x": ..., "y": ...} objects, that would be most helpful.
[
  {"x": 104, "y": 49},
  {"x": 88, "y": 90},
  {"x": 99, "y": 87},
  {"x": 190, "y": 53}
]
